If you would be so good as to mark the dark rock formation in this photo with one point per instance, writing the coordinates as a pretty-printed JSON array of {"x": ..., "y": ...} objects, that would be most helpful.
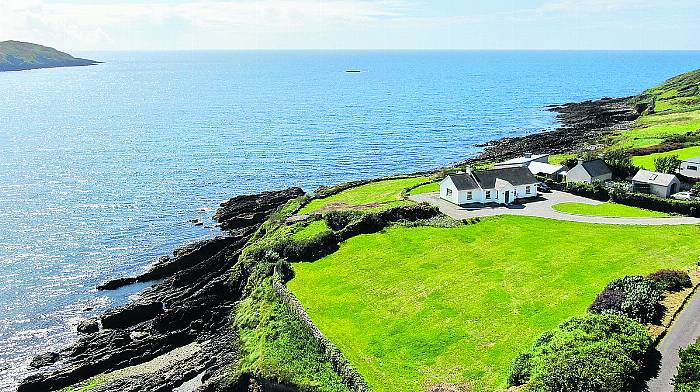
[
  {"x": 89, "y": 326},
  {"x": 193, "y": 303},
  {"x": 44, "y": 359},
  {"x": 245, "y": 211},
  {"x": 116, "y": 283},
  {"x": 583, "y": 126}
]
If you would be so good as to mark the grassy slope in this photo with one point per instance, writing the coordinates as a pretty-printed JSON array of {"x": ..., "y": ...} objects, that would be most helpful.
[
  {"x": 606, "y": 209},
  {"x": 386, "y": 192},
  {"x": 675, "y": 111},
  {"x": 647, "y": 161},
  {"x": 276, "y": 345},
  {"x": 426, "y": 305}
]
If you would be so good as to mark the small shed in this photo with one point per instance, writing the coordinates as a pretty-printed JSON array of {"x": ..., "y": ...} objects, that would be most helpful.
[{"x": 659, "y": 184}]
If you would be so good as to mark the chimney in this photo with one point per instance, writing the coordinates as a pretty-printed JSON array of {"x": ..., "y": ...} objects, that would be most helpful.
[{"x": 468, "y": 170}]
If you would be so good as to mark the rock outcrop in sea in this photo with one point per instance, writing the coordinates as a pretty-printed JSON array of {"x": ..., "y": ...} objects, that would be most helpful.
[{"x": 178, "y": 330}]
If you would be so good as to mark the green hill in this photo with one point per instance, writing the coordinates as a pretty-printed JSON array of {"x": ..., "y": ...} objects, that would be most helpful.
[
  {"x": 678, "y": 94},
  {"x": 18, "y": 56}
]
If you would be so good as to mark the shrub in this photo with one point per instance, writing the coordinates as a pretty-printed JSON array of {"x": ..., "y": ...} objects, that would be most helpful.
[
  {"x": 595, "y": 190},
  {"x": 284, "y": 270},
  {"x": 671, "y": 280},
  {"x": 585, "y": 353},
  {"x": 667, "y": 164},
  {"x": 688, "y": 377},
  {"x": 337, "y": 220},
  {"x": 633, "y": 296}
]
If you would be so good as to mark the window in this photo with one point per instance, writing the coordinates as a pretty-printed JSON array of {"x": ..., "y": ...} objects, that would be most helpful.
[
  {"x": 693, "y": 168},
  {"x": 448, "y": 192},
  {"x": 488, "y": 194},
  {"x": 469, "y": 195},
  {"x": 528, "y": 189}
]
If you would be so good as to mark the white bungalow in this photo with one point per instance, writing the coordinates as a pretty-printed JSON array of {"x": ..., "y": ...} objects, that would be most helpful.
[
  {"x": 690, "y": 168},
  {"x": 501, "y": 186},
  {"x": 659, "y": 184}
]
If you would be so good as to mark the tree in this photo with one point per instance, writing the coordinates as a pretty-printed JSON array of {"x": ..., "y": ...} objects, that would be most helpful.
[
  {"x": 667, "y": 164},
  {"x": 620, "y": 162}
]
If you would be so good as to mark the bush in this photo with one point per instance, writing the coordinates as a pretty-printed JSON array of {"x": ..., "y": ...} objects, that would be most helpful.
[
  {"x": 633, "y": 296},
  {"x": 671, "y": 280},
  {"x": 585, "y": 353},
  {"x": 688, "y": 377},
  {"x": 595, "y": 190}
]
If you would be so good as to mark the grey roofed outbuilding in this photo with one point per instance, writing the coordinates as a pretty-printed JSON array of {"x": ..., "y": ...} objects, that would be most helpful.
[
  {"x": 596, "y": 167},
  {"x": 515, "y": 175},
  {"x": 650, "y": 177},
  {"x": 693, "y": 160},
  {"x": 463, "y": 181}
]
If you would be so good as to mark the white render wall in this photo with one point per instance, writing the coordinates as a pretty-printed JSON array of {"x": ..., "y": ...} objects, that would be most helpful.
[
  {"x": 689, "y": 172},
  {"x": 479, "y": 195}
]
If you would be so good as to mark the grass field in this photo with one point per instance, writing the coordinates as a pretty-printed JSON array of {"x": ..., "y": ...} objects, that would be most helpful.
[
  {"x": 654, "y": 129},
  {"x": 647, "y": 161},
  {"x": 381, "y": 192},
  {"x": 607, "y": 209},
  {"x": 426, "y": 188},
  {"x": 413, "y": 307}
]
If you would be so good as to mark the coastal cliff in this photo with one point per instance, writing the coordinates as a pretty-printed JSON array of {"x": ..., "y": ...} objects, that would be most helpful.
[
  {"x": 20, "y": 56},
  {"x": 179, "y": 333}
]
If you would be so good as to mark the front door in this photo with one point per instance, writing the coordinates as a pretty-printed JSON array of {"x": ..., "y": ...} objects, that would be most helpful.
[{"x": 507, "y": 197}]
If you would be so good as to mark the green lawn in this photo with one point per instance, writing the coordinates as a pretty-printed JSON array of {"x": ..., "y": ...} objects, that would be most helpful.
[
  {"x": 647, "y": 161},
  {"x": 412, "y": 307},
  {"x": 426, "y": 188},
  {"x": 607, "y": 209},
  {"x": 383, "y": 192}
]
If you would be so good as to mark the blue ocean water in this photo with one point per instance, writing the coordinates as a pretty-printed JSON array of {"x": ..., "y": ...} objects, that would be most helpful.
[{"x": 102, "y": 167}]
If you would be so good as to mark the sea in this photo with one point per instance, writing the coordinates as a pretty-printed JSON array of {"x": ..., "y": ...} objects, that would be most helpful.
[{"x": 103, "y": 168}]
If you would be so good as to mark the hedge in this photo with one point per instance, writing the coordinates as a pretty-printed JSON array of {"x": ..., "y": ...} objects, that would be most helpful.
[
  {"x": 671, "y": 280},
  {"x": 595, "y": 190},
  {"x": 651, "y": 202}
]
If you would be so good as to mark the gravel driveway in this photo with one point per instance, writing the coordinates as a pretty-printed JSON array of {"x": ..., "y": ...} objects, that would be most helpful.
[{"x": 542, "y": 207}]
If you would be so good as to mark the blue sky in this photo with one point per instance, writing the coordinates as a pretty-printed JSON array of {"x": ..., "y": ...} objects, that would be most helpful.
[{"x": 353, "y": 24}]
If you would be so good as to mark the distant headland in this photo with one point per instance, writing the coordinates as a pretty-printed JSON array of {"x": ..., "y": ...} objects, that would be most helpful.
[{"x": 20, "y": 56}]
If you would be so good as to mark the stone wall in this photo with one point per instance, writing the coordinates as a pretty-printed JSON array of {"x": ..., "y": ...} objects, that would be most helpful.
[{"x": 350, "y": 376}]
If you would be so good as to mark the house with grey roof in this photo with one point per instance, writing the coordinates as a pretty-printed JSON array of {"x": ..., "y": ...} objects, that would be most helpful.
[
  {"x": 589, "y": 171},
  {"x": 500, "y": 186},
  {"x": 538, "y": 164},
  {"x": 659, "y": 184},
  {"x": 690, "y": 168}
]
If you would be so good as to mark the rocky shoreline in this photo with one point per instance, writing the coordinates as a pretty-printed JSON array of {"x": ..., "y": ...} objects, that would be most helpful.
[{"x": 192, "y": 301}]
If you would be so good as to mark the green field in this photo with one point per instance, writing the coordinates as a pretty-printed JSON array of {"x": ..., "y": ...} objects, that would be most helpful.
[
  {"x": 425, "y": 188},
  {"x": 647, "y": 161},
  {"x": 413, "y": 307},
  {"x": 607, "y": 209},
  {"x": 386, "y": 193}
]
